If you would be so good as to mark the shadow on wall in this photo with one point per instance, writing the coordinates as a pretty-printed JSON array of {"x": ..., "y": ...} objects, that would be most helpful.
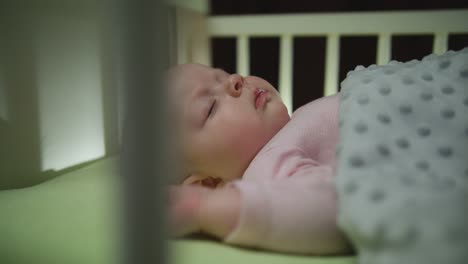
[
  {"x": 19, "y": 138},
  {"x": 56, "y": 93}
]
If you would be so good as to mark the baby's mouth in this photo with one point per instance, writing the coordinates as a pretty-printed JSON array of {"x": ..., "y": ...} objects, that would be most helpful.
[{"x": 260, "y": 97}]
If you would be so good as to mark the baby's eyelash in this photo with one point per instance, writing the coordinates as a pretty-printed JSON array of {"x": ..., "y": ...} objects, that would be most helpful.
[{"x": 212, "y": 108}]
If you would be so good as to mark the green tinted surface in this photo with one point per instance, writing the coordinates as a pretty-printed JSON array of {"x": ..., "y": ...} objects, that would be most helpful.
[
  {"x": 68, "y": 219},
  {"x": 72, "y": 219},
  {"x": 208, "y": 251}
]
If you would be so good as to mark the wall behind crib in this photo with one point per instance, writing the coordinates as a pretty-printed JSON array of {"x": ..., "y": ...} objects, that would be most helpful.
[{"x": 53, "y": 91}]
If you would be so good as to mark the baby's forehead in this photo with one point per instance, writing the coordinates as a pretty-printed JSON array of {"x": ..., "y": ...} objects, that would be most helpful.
[
  {"x": 181, "y": 82},
  {"x": 188, "y": 71},
  {"x": 183, "y": 79}
]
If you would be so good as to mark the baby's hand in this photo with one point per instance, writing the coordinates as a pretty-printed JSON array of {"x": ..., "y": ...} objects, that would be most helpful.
[
  {"x": 184, "y": 208},
  {"x": 212, "y": 211}
]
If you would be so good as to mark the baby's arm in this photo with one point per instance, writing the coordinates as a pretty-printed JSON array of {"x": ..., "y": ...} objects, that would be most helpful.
[
  {"x": 295, "y": 215},
  {"x": 211, "y": 211}
]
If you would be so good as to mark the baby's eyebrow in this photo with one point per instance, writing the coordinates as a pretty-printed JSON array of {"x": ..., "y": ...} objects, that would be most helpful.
[
  {"x": 219, "y": 71},
  {"x": 198, "y": 92}
]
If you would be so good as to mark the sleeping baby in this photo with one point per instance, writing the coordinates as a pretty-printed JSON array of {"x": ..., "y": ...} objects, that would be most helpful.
[{"x": 254, "y": 176}]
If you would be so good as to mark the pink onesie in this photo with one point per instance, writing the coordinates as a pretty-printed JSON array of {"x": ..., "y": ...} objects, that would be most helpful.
[{"x": 288, "y": 197}]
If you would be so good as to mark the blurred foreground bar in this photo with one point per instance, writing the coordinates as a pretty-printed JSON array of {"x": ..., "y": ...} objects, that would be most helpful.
[{"x": 141, "y": 46}]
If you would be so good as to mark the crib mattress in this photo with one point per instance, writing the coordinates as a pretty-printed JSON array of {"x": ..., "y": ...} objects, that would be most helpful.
[{"x": 71, "y": 219}]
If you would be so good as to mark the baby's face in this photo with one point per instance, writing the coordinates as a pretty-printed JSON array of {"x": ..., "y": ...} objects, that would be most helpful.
[{"x": 225, "y": 119}]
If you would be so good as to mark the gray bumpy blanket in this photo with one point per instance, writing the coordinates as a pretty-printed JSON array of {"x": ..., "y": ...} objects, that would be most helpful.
[{"x": 402, "y": 177}]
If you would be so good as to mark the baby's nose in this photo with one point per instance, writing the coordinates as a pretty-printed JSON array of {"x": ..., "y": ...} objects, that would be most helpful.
[{"x": 234, "y": 86}]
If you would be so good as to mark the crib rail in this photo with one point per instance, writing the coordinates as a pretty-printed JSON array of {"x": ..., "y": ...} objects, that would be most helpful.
[{"x": 382, "y": 24}]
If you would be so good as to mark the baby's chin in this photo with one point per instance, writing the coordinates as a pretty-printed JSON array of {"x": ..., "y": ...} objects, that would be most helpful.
[{"x": 280, "y": 116}]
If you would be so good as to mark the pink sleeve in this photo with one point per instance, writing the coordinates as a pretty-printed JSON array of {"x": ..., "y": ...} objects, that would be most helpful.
[{"x": 290, "y": 214}]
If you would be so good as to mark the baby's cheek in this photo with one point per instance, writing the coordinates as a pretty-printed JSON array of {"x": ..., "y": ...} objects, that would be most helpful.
[{"x": 248, "y": 139}]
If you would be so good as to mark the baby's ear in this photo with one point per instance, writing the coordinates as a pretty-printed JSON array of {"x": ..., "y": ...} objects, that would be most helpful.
[{"x": 197, "y": 179}]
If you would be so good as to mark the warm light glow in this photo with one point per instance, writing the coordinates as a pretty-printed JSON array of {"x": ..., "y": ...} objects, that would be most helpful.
[{"x": 69, "y": 92}]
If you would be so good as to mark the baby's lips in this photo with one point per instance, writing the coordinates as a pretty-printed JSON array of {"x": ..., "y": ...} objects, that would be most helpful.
[
  {"x": 260, "y": 97},
  {"x": 210, "y": 182}
]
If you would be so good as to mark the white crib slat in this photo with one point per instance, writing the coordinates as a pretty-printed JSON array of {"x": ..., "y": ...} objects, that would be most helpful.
[
  {"x": 440, "y": 42},
  {"x": 331, "y": 64},
  {"x": 286, "y": 70},
  {"x": 348, "y": 23},
  {"x": 383, "y": 48},
  {"x": 201, "y": 48},
  {"x": 243, "y": 55},
  {"x": 181, "y": 35}
]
